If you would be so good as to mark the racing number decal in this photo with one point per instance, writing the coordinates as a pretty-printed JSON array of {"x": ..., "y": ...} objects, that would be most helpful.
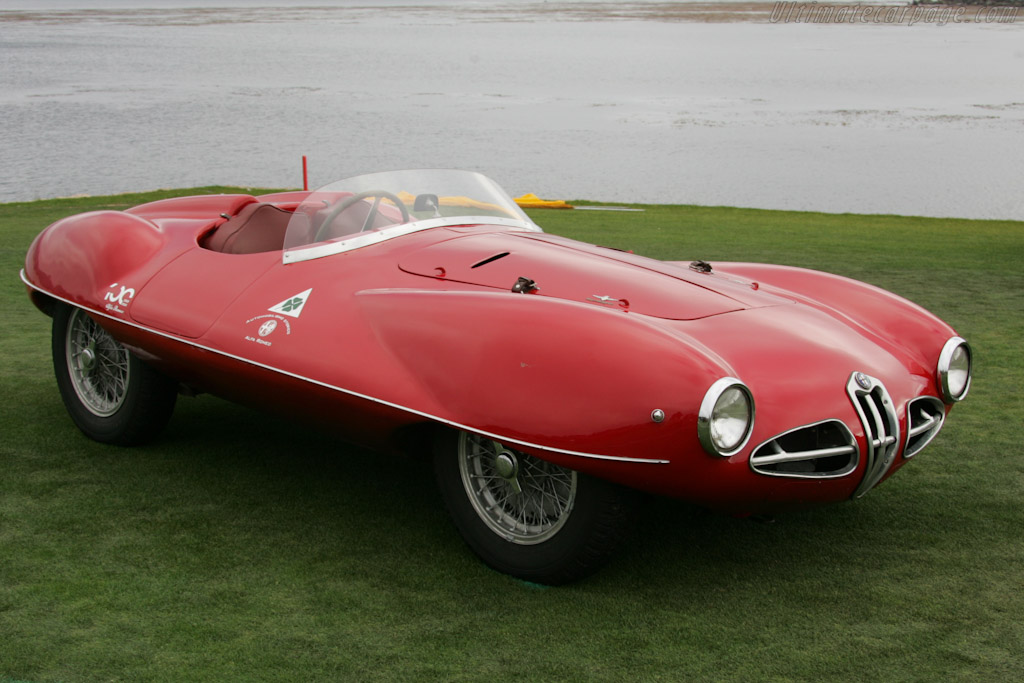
[{"x": 118, "y": 299}]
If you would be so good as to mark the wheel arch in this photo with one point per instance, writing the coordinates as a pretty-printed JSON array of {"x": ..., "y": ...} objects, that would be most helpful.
[
  {"x": 44, "y": 302},
  {"x": 110, "y": 394}
]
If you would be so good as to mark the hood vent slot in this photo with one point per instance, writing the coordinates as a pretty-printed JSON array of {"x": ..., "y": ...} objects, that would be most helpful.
[{"x": 490, "y": 259}]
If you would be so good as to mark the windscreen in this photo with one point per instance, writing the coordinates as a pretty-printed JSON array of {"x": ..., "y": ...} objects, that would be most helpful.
[{"x": 369, "y": 209}]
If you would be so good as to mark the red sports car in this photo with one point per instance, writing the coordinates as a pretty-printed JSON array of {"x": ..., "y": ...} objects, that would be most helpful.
[{"x": 549, "y": 379}]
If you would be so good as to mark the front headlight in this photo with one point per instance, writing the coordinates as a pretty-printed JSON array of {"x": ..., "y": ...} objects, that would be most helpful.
[
  {"x": 726, "y": 417},
  {"x": 954, "y": 370}
]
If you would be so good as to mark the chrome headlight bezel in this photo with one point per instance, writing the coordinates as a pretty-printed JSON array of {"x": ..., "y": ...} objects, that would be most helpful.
[
  {"x": 720, "y": 396},
  {"x": 949, "y": 367}
]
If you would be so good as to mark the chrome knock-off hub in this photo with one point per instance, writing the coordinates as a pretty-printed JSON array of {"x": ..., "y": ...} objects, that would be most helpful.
[
  {"x": 87, "y": 359},
  {"x": 507, "y": 466}
]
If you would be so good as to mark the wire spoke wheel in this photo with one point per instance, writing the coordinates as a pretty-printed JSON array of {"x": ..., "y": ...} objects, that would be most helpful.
[
  {"x": 521, "y": 498},
  {"x": 111, "y": 395},
  {"x": 99, "y": 367},
  {"x": 525, "y": 516}
]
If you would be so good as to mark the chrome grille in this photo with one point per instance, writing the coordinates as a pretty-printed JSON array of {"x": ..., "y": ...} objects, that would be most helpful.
[
  {"x": 881, "y": 428},
  {"x": 925, "y": 416},
  {"x": 820, "y": 450}
]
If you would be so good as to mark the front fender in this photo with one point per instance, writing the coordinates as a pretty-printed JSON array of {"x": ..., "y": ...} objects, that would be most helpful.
[
  {"x": 561, "y": 374},
  {"x": 901, "y": 326}
]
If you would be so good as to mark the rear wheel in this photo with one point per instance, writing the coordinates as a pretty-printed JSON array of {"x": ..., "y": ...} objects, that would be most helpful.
[
  {"x": 111, "y": 395},
  {"x": 525, "y": 516}
]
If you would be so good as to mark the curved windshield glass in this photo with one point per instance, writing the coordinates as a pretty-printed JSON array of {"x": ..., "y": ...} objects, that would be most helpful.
[{"x": 368, "y": 209}]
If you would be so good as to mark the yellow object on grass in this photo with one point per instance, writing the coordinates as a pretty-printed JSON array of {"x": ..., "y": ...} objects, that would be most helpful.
[
  {"x": 532, "y": 201},
  {"x": 466, "y": 202}
]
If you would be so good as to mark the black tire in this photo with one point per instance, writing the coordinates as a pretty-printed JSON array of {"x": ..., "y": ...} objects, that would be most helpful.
[
  {"x": 563, "y": 535},
  {"x": 111, "y": 395}
]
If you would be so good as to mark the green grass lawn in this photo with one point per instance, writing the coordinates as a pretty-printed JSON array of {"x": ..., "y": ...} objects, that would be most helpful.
[{"x": 242, "y": 547}]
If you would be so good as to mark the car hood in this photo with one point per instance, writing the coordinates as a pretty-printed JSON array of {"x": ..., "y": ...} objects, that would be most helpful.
[{"x": 574, "y": 271}]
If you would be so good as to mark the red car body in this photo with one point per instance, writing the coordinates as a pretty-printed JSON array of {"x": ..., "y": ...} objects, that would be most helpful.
[{"x": 588, "y": 358}]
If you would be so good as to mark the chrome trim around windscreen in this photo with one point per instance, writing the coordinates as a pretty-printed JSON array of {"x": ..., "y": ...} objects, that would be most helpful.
[{"x": 365, "y": 239}]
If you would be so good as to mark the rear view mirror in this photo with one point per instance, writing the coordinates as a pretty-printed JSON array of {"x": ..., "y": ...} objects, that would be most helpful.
[{"x": 427, "y": 202}]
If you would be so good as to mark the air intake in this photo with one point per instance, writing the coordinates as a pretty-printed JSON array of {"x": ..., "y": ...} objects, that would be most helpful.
[
  {"x": 817, "y": 451},
  {"x": 925, "y": 416}
]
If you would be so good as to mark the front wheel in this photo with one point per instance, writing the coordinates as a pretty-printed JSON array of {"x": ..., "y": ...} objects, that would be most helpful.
[
  {"x": 527, "y": 517},
  {"x": 110, "y": 394}
]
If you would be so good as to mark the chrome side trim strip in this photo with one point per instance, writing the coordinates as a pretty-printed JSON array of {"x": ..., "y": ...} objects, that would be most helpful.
[{"x": 412, "y": 411}]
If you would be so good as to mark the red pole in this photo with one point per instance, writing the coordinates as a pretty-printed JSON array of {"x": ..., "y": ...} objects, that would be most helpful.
[{"x": 305, "y": 174}]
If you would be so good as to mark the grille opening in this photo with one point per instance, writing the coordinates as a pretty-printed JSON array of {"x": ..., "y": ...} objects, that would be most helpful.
[
  {"x": 818, "y": 465},
  {"x": 824, "y": 449},
  {"x": 796, "y": 467},
  {"x": 925, "y": 416}
]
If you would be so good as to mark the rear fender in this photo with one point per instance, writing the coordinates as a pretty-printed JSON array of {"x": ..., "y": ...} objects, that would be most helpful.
[
  {"x": 102, "y": 258},
  {"x": 89, "y": 259},
  {"x": 205, "y": 207}
]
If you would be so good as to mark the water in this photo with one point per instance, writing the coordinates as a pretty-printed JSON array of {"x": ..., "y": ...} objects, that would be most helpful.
[{"x": 610, "y": 101}]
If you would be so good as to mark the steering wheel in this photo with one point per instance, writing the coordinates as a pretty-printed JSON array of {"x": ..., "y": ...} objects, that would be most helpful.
[{"x": 346, "y": 203}]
